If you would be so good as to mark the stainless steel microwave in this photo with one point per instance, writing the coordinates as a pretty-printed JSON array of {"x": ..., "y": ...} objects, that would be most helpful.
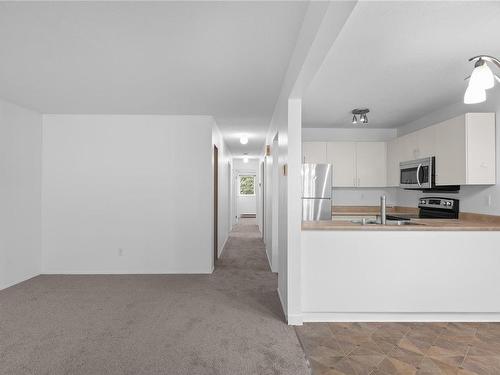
[{"x": 417, "y": 174}]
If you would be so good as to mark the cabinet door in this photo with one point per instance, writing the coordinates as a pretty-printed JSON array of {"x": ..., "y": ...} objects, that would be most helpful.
[
  {"x": 314, "y": 152},
  {"x": 450, "y": 152},
  {"x": 371, "y": 164},
  {"x": 481, "y": 160},
  {"x": 393, "y": 160},
  {"x": 426, "y": 142},
  {"x": 342, "y": 155},
  {"x": 408, "y": 147}
]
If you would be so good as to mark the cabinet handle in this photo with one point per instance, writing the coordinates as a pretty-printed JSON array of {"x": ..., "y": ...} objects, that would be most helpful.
[
  {"x": 359, "y": 181},
  {"x": 354, "y": 181}
]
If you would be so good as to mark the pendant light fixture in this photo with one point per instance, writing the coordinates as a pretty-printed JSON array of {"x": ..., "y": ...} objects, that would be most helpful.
[
  {"x": 245, "y": 158},
  {"x": 361, "y": 112},
  {"x": 481, "y": 79}
]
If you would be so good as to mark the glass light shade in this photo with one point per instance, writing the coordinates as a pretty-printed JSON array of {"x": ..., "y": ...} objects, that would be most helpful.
[
  {"x": 354, "y": 119},
  {"x": 245, "y": 160},
  {"x": 243, "y": 139},
  {"x": 474, "y": 94},
  {"x": 482, "y": 77}
]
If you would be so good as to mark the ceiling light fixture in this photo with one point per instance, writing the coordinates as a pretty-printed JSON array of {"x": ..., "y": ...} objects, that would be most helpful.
[
  {"x": 361, "y": 112},
  {"x": 243, "y": 139},
  {"x": 481, "y": 79},
  {"x": 245, "y": 158}
]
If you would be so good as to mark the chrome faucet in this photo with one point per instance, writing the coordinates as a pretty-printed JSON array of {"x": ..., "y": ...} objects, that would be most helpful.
[{"x": 382, "y": 210}]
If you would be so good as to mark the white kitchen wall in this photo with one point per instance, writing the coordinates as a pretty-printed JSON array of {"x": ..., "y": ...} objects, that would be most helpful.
[
  {"x": 354, "y": 196},
  {"x": 352, "y": 135},
  {"x": 20, "y": 181},
  {"x": 477, "y": 199},
  {"x": 127, "y": 194}
]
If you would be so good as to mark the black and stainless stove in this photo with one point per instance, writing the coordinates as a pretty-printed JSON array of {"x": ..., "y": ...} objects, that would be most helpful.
[{"x": 438, "y": 208}]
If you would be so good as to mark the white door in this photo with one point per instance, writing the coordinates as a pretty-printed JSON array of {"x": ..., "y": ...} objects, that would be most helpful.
[
  {"x": 371, "y": 166},
  {"x": 342, "y": 155},
  {"x": 314, "y": 152}
]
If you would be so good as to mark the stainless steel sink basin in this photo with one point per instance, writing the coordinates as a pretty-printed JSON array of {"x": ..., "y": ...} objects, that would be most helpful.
[
  {"x": 401, "y": 222},
  {"x": 365, "y": 221}
]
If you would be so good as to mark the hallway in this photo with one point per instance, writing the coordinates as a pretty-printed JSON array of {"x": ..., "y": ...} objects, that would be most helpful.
[{"x": 229, "y": 322}]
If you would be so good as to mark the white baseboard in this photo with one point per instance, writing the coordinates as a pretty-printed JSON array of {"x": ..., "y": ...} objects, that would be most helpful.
[
  {"x": 222, "y": 248},
  {"x": 295, "y": 319},
  {"x": 282, "y": 304},
  {"x": 400, "y": 317},
  {"x": 12, "y": 283},
  {"x": 268, "y": 260}
]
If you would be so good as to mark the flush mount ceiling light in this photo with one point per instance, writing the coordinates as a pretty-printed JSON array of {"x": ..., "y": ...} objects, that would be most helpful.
[
  {"x": 361, "y": 112},
  {"x": 243, "y": 139},
  {"x": 481, "y": 79}
]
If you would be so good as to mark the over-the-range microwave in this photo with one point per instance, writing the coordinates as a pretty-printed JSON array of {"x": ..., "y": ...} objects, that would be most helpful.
[
  {"x": 417, "y": 174},
  {"x": 420, "y": 174}
]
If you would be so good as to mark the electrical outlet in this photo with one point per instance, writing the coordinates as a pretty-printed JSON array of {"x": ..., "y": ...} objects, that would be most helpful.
[{"x": 120, "y": 252}]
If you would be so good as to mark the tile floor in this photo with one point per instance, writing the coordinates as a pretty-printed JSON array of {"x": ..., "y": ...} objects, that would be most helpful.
[{"x": 402, "y": 348}]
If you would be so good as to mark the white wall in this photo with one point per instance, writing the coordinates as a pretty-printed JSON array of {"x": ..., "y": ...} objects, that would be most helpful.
[
  {"x": 351, "y": 135},
  {"x": 127, "y": 194},
  {"x": 478, "y": 199},
  {"x": 322, "y": 23},
  {"x": 20, "y": 181}
]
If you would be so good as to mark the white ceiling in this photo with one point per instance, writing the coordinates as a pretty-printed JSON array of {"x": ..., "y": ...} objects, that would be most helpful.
[
  {"x": 402, "y": 60},
  {"x": 225, "y": 59}
]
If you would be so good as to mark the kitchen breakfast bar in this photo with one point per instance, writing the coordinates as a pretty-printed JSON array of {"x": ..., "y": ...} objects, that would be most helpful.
[{"x": 432, "y": 270}]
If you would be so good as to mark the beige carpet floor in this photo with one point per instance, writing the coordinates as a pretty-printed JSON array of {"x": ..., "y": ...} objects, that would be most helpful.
[{"x": 229, "y": 322}]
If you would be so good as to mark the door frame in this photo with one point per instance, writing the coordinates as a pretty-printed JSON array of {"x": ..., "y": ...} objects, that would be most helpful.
[{"x": 216, "y": 203}]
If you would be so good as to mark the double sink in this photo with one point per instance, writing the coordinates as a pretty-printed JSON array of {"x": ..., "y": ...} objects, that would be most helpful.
[{"x": 390, "y": 220}]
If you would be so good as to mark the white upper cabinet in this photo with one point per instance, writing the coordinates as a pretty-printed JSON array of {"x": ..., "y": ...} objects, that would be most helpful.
[
  {"x": 355, "y": 164},
  {"x": 426, "y": 142},
  {"x": 465, "y": 152},
  {"x": 408, "y": 147},
  {"x": 342, "y": 155},
  {"x": 371, "y": 164},
  {"x": 393, "y": 159},
  {"x": 314, "y": 152}
]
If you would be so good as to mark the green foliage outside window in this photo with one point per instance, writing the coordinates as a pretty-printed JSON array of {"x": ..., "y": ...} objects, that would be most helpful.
[{"x": 247, "y": 185}]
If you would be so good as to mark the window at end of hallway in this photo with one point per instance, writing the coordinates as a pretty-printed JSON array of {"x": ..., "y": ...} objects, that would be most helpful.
[{"x": 247, "y": 185}]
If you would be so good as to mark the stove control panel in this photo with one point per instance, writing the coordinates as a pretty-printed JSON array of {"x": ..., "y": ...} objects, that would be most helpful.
[{"x": 442, "y": 203}]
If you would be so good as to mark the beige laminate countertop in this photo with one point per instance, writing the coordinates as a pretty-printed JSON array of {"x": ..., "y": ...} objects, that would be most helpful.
[{"x": 422, "y": 225}]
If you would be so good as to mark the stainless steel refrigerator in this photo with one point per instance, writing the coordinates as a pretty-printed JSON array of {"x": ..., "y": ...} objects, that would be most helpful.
[{"x": 316, "y": 192}]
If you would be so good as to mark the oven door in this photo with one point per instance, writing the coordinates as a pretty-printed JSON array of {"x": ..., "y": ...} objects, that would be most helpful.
[{"x": 416, "y": 174}]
